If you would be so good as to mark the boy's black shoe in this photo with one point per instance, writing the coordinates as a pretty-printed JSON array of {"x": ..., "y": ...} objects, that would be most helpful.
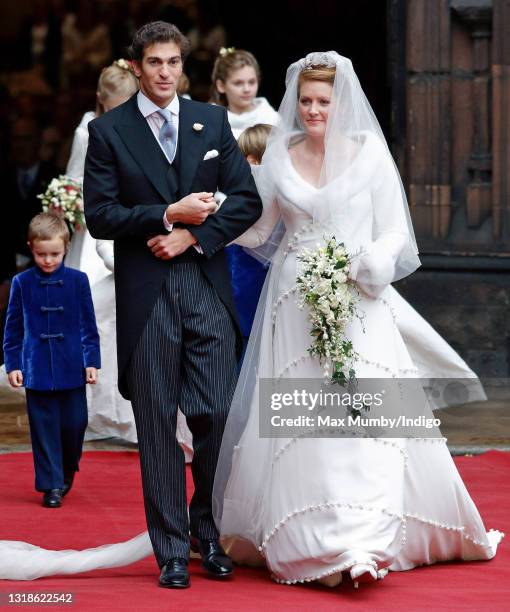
[{"x": 52, "y": 499}]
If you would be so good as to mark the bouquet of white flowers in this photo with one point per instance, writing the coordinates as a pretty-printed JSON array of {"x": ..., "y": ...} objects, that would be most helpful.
[
  {"x": 331, "y": 299},
  {"x": 64, "y": 198}
]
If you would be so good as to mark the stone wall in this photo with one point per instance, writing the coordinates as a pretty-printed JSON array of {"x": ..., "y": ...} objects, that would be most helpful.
[{"x": 470, "y": 309}]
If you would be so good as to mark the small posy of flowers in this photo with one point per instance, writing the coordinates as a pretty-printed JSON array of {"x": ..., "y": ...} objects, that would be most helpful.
[
  {"x": 331, "y": 300},
  {"x": 64, "y": 197}
]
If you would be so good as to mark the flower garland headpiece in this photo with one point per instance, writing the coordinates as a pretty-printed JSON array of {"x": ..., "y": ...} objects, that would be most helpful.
[
  {"x": 123, "y": 64},
  {"x": 227, "y": 51}
]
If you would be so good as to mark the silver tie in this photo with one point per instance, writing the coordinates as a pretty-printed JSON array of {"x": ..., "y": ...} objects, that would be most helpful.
[{"x": 168, "y": 134}]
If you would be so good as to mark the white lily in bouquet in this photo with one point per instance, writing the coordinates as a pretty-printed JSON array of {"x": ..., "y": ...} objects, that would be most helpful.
[
  {"x": 331, "y": 298},
  {"x": 64, "y": 197}
]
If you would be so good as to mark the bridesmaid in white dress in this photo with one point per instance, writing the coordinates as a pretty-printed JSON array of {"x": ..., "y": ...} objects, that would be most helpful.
[
  {"x": 235, "y": 82},
  {"x": 110, "y": 415}
]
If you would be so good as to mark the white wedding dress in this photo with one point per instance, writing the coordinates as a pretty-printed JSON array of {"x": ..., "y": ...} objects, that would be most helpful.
[{"x": 312, "y": 508}]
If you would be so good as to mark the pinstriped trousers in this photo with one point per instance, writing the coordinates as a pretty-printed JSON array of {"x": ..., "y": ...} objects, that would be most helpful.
[{"x": 185, "y": 357}]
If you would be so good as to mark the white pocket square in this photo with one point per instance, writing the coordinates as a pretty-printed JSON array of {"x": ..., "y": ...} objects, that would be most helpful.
[{"x": 210, "y": 154}]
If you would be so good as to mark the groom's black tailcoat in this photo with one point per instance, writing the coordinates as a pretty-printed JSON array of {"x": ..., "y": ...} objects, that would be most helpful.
[
  {"x": 128, "y": 185},
  {"x": 176, "y": 318}
]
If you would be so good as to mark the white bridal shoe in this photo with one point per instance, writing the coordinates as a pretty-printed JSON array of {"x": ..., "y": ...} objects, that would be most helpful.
[
  {"x": 363, "y": 572},
  {"x": 331, "y": 581}
]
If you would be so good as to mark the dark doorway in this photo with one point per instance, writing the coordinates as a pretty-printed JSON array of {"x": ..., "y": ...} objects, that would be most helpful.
[{"x": 280, "y": 32}]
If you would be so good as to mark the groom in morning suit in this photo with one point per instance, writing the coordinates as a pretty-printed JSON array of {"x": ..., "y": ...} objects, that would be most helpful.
[{"x": 152, "y": 167}]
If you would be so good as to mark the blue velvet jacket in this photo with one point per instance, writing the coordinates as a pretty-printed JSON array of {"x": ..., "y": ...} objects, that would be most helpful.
[
  {"x": 248, "y": 276},
  {"x": 50, "y": 329}
]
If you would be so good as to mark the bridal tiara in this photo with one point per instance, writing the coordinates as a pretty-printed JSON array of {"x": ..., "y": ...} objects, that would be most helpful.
[
  {"x": 330, "y": 59},
  {"x": 321, "y": 58}
]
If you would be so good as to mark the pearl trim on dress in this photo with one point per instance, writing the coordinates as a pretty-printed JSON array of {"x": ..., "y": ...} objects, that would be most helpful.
[
  {"x": 281, "y": 451},
  {"x": 460, "y": 529},
  {"x": 279, "y": 301},
  {"x": 349, "y": 564},
  {"x": 291, "y": 245},
  {"x": 393, "y": 373},
  {"x": 392, "y": 312},
  {"x": 336, "y": 570},
  {"x": 321, "y": 507},
  {"x": 293, "y": 363}
]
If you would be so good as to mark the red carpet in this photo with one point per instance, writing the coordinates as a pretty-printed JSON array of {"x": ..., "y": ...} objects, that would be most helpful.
[{"x": 106, "y": 506}]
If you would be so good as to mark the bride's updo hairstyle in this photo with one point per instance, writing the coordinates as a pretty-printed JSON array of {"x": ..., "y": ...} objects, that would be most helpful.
[
  {"x": 116, "y": 80},
  {"x": 228, "y": 61},
  {"x": 325, "y": 74}
]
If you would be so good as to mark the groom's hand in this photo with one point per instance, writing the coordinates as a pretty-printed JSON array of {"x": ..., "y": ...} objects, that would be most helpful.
[
  {"x": 173, "y": 244},
  {"x": 192, "y": 210}
]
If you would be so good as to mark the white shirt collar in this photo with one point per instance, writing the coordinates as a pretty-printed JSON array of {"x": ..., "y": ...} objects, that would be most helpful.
[{"x": 147, "y": 106}]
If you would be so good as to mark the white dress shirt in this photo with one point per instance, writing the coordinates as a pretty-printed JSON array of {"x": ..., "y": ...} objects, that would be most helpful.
[{"x": 150, "y": 111}]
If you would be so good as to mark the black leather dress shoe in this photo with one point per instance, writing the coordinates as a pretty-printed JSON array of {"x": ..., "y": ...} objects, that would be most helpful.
[
  {"x": 174, "y": 574},
  {"x": 68, "y": 483},
  {"x": 52, "y": 499},
  {"x": 214, "y": 559}
]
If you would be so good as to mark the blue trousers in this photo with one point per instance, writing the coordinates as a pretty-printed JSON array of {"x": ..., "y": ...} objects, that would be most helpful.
[{"x": 58, "y": 420}]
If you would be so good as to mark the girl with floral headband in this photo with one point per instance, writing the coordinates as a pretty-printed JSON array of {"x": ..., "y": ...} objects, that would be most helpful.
[{"x": 235, "y": 83}]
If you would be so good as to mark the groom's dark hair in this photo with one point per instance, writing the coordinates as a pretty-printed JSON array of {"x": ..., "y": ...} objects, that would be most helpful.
[{"x": 157, "y": 32}]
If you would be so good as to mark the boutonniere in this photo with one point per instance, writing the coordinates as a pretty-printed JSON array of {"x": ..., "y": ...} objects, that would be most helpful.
[{"x": 198, "y": 127}]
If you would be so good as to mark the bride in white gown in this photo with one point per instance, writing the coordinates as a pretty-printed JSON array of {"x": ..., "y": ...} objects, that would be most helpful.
[{"x": 312, "y": 508}]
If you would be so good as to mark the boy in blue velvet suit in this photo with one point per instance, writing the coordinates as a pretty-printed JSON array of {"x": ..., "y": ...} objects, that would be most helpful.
[
  {"x": 51, "y": 347},
  {"x": 247, "y": 273}
]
